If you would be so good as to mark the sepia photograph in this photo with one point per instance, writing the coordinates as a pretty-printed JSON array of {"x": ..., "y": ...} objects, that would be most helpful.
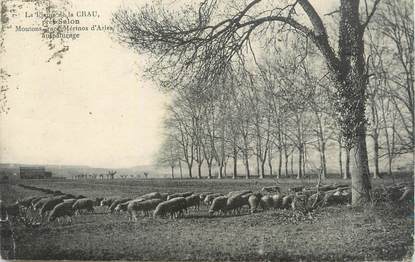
[{"x": 207, "y": 130}]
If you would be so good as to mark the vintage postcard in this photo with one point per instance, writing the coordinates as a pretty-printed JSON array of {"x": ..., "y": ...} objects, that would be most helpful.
[{"x": 205, "y": 130}]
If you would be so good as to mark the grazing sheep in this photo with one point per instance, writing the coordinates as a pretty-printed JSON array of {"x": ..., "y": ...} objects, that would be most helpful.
[
  {"x": 209, "y": 198},
  {"x": 235, "y": 203},
  {"x": 39, "y": 204},
  {"x": 133, "y": 207},
  {"x": 174, "y": 207},
  {"x": 266, "y": 202},
  {"x": 61, "y": 210},
  {"x": 26, "y": 202},
  {"x": 219, "y": 204},
  {"x": 35, "y": 200},
  {"x": 163, "y": 196},
  {"x": 238, "y": 193},
  {"x": 108, "y": 201},
  {"x": 186, "y": 194},
  {"x": 337, "y": 197},
  {"x": 286, "y": 201},
  {"x": 193, "y": 201},
  {"x": 50, "y": 204},
  {"x": 277, "y": 201},
  {"x": 117, "y": 202},
  {"x": 154, "y": 195},
  {"x": 122, "y": 207},
  {"x": 70, "y": 200},
  {"x": 83, "y": 204},
  {"x": 203, "y": 195},
  {"x": 253, "y": 201}
]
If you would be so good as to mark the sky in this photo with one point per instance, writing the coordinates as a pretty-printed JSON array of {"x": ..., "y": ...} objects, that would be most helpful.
[{"x": 95, "y": 108}]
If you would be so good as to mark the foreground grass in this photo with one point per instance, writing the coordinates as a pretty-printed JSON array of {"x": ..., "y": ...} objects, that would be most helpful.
[{"x": 334, "y": 233}]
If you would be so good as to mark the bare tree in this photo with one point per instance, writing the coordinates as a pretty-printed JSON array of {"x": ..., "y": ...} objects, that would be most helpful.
[
  {"x": 394, "y": 21},
  {"x": 178, "y": 123},
  {"x": 169, "y": 154}
]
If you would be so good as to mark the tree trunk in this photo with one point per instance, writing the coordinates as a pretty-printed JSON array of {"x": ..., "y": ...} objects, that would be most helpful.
[
  {"x": 341, "y": 159},
  {"x": 304, "y": 160},
  {"x": 199, "y": 170},
  {"x": 220, "y": 171},
  {"x": 189, "y": 166},
  {"x": 300, "y": 163},
  {"x": 248, "y": 174},
  {"x": 388, "y": 144},
  {"x": 263, "y": 169},
  {"x": 292, "y": 164},
  {"x": 224, "y": 168},
  {"x": 270, "y": 163},
  {"x": 376, "y": 154},
  {"x": 286, "y": 158},
  {"x": 235, "y": 164},
  {"x": 351, "y": 89},
  {"x": 360, "y": 175},
  {"x": 172, "y": 172},
  {"x": 347, "y": 173},
  {"x": 210, "y": 170},
  {"x": 323, "y": 162},
  {"x": 390, "y": 166},
  {"x": 258, "y": 163},
  {"x": 279, "y": 163},
  {"x": 181, "y": 171}
]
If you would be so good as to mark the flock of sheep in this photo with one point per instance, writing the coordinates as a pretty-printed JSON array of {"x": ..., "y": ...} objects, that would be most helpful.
[{"x": 61, "y": 206}]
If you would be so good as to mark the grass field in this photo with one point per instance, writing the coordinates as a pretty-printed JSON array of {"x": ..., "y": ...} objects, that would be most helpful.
[{"x": 383, "y": 232}]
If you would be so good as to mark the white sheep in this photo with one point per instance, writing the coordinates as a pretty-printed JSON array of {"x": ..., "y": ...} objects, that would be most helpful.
[
  {"x": 117, "y": 202},
  {"x": 61, "y": 210},
  {"x": 235, "y": 203},
  {"x": 209, "y": 198},
  {"x": 277, "y": 201},
  {"x": 193, "y": 201},
  {"x": 203, "y": 195},
  {"x": 83, "y": 204},
  {"x": 173, "y": 207},
  {"x": 286, "y": 201},
  {"x": 219, "y": 204},
  {"x": 253, "y": 201},
  {"x": 145, "y": 206},
  {"x": 266, "y": 202},
  {"x": 185, "y": 194}
]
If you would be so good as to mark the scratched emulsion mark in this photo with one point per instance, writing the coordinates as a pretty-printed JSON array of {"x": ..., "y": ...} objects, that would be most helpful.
[{"x": 14, "y": 17}]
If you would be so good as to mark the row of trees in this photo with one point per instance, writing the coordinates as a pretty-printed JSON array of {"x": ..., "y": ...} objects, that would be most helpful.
[
  {"x": 235, "y": 100},
  {"x": 282, "y": 108}
]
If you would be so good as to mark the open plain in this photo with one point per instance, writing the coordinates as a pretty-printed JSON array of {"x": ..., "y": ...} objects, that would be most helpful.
[{"x": 380, "y": 232}]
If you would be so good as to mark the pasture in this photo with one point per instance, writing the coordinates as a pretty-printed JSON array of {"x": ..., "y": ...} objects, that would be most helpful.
[{"x": 382, "y": 232}]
